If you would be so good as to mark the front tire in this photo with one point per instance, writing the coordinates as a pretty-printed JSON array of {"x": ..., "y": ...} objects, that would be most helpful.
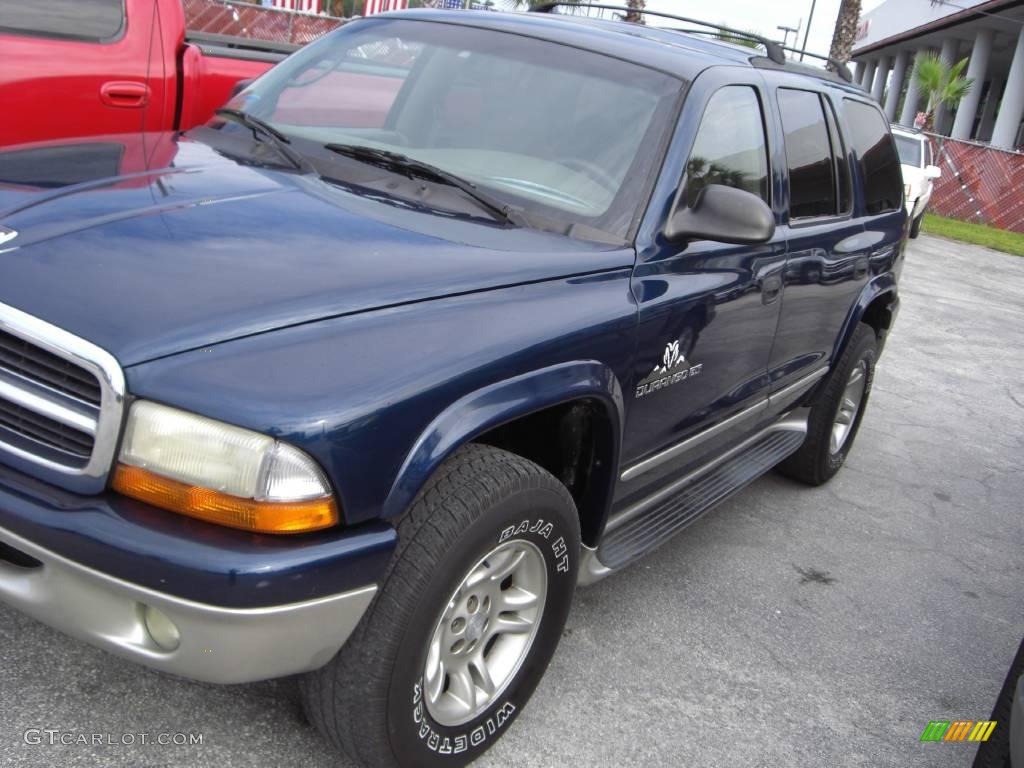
[
  {"x": 466, "y": 621},
  {"x": 915, "y": 226},
  {"x": 836, "y": 413}
]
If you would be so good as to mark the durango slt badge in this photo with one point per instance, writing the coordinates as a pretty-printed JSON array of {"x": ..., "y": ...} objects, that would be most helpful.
[{"x": 662, "y": 376}]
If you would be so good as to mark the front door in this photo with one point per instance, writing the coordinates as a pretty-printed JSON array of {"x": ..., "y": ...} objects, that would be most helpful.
[
  {"x": 707, "y": 310},
  {"x": 73, "y": 68}
]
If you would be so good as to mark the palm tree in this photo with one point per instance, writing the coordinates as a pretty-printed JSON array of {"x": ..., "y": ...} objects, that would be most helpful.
[
  {"x": 941, "y": 84},
  {"x": 729, "y": 37},
  {"x": 846, "y": 30},
  {"x": 635, "y": 12}
]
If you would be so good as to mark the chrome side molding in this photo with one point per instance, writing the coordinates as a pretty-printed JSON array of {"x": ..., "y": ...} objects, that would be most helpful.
[
  {"x": 774, "y": 402},
  {"x": 692, "y": 442},
  {"x": 792, "y": 422},
  {"x": 787, "y": 395}
]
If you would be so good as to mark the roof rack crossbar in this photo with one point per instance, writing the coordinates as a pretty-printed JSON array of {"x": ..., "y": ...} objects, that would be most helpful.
[
  {"x": 691, "y": 31},
  {"x": 840, "y": 68},
  {"x": 774, "y": 50}
]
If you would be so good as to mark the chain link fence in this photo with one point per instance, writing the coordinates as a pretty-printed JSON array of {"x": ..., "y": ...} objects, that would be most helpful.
[
  {"x": 223, "y": 17},
  {"x": 980, "y": 184}
]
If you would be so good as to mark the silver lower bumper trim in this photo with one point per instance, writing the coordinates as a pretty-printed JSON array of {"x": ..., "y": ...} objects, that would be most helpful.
[{"x": 217, "y": 645}]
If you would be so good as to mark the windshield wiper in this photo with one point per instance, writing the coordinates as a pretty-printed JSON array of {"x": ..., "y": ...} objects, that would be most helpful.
[
  {"x": 261, "y": 127},
  {"x": 417, "y": 169}
]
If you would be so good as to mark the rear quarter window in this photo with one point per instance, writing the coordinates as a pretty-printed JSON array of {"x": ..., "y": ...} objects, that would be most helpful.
[
  {"x": 94, "y": 20},
  {"x": 880, "y": 165}
]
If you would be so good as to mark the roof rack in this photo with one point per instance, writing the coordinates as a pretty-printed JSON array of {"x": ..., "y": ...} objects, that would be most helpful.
[
  {"x": 837, "y": 66},
  {"x": 775, "y": 50}
]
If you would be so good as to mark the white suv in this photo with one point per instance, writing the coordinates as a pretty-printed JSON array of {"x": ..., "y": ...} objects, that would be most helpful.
[{"x": 918, "y": 173}]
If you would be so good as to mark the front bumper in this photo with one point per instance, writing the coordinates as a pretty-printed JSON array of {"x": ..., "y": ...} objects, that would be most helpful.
[
  {"x": 216, "y": 645},
  {"x": 245, "y": 606}
]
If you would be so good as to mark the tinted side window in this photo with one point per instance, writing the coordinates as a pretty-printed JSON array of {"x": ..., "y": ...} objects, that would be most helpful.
[
  {"x": 812, "y": 186},
  {"x": 730, "y": 147},
  {"x": 844, "y": 178},
  {"x": 880, "y": 165},
  {"x": 76, "y": 19}
]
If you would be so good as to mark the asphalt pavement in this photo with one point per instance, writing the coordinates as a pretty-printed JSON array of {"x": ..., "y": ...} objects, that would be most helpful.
[{"x": 789, "y": 627}]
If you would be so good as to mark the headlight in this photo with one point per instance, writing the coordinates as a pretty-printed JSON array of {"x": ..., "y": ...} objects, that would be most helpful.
[{"x": 220, "y": 473}]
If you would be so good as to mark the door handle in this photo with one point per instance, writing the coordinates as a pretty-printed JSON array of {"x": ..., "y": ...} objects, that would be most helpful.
[
  {"x": 124, "y": 94},
  {"x": 771, "y": 287}
]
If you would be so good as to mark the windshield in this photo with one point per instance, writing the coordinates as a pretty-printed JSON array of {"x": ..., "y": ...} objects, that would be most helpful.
[
  {"x": 564, "y": 133},
  {"x": 909, "y": 149}
]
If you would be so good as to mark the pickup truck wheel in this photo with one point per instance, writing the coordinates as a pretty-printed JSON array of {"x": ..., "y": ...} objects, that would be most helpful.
[
  {"x": 915, "y": 225},
  {"x": 837, "y": 413},
  {"x": 466, "y": 620}
]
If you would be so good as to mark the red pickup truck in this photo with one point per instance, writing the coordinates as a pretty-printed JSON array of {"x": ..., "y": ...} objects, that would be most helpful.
[{"x": 95, "y": 67}]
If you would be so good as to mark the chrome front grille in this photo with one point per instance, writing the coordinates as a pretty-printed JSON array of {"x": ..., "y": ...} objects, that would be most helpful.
[
  {"x": 26, "y": 359},
  {"x": 61, "y": 400}
]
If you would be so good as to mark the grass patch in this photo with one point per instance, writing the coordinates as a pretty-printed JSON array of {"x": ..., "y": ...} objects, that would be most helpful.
[{"x": 979, "y": 234}]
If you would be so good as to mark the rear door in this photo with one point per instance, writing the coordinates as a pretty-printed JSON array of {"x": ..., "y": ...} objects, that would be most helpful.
[
  {"x": 827, "y": 262},
  {"x": 77, "y": 68},
  {"x": 707, "y": 310}
]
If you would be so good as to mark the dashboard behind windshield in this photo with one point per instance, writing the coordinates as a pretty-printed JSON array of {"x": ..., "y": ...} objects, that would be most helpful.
[{"x": 572, "y": 135}]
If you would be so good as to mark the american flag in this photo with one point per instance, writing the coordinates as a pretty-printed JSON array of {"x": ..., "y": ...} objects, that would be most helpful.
[
  {"x": 379, "y": 6},
  {"x": 305, "y": 6}
]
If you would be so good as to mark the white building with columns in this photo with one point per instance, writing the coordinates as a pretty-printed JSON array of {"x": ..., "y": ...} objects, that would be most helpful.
[{"x": 990, "y": 33}]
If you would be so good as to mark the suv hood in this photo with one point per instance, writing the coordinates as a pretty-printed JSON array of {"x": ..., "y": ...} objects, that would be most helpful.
[{"x": 192, "y": 248}]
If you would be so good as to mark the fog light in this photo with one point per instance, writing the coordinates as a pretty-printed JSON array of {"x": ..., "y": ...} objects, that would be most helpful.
[{"x": 161, "y": 628}]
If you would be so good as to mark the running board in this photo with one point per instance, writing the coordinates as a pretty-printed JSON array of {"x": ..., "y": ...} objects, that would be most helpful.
[{"x": 652, "y": 521}]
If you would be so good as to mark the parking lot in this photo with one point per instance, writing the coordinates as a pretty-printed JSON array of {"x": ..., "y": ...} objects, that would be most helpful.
[{"x": 790, "y": 627}]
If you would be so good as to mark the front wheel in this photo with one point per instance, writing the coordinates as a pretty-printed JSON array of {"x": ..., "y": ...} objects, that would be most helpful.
[
  {"x": 915, "y": 225},
  {"x": 837, "y": 413},
  {"x": 466, "y": 621}
]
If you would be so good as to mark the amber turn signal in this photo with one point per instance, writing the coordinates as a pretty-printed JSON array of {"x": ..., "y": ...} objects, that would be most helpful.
[{"x": 222, "y": 508}]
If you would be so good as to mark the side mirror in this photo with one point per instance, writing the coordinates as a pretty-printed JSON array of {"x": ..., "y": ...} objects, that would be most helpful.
[
  {"x": 724, "y": 214},
  {"x": 932, "y": 172}
]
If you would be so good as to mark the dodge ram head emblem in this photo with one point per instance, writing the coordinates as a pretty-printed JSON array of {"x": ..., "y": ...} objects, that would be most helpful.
[
  {"x": 672, "y": 370},
  {"x": 7, "y": 234},
  {"x": 671, "y": 358}
]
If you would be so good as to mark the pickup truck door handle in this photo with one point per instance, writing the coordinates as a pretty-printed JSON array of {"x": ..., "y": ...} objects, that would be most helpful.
[{"x": 124, "y": 94}]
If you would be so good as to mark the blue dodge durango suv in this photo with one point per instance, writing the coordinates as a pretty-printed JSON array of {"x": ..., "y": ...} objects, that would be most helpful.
[{"x": 442, "y": 316}]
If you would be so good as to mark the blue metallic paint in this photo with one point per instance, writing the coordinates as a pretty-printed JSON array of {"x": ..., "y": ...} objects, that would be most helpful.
[
  {"x": 497, "y": 404},
  {"x": 298, "y": 249},
  {"x": 397, "y": 335},
  {"x": 709, "y": 297},
  {"x": 360, "y": 392},
  {"x": 189, "y": 558}
]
